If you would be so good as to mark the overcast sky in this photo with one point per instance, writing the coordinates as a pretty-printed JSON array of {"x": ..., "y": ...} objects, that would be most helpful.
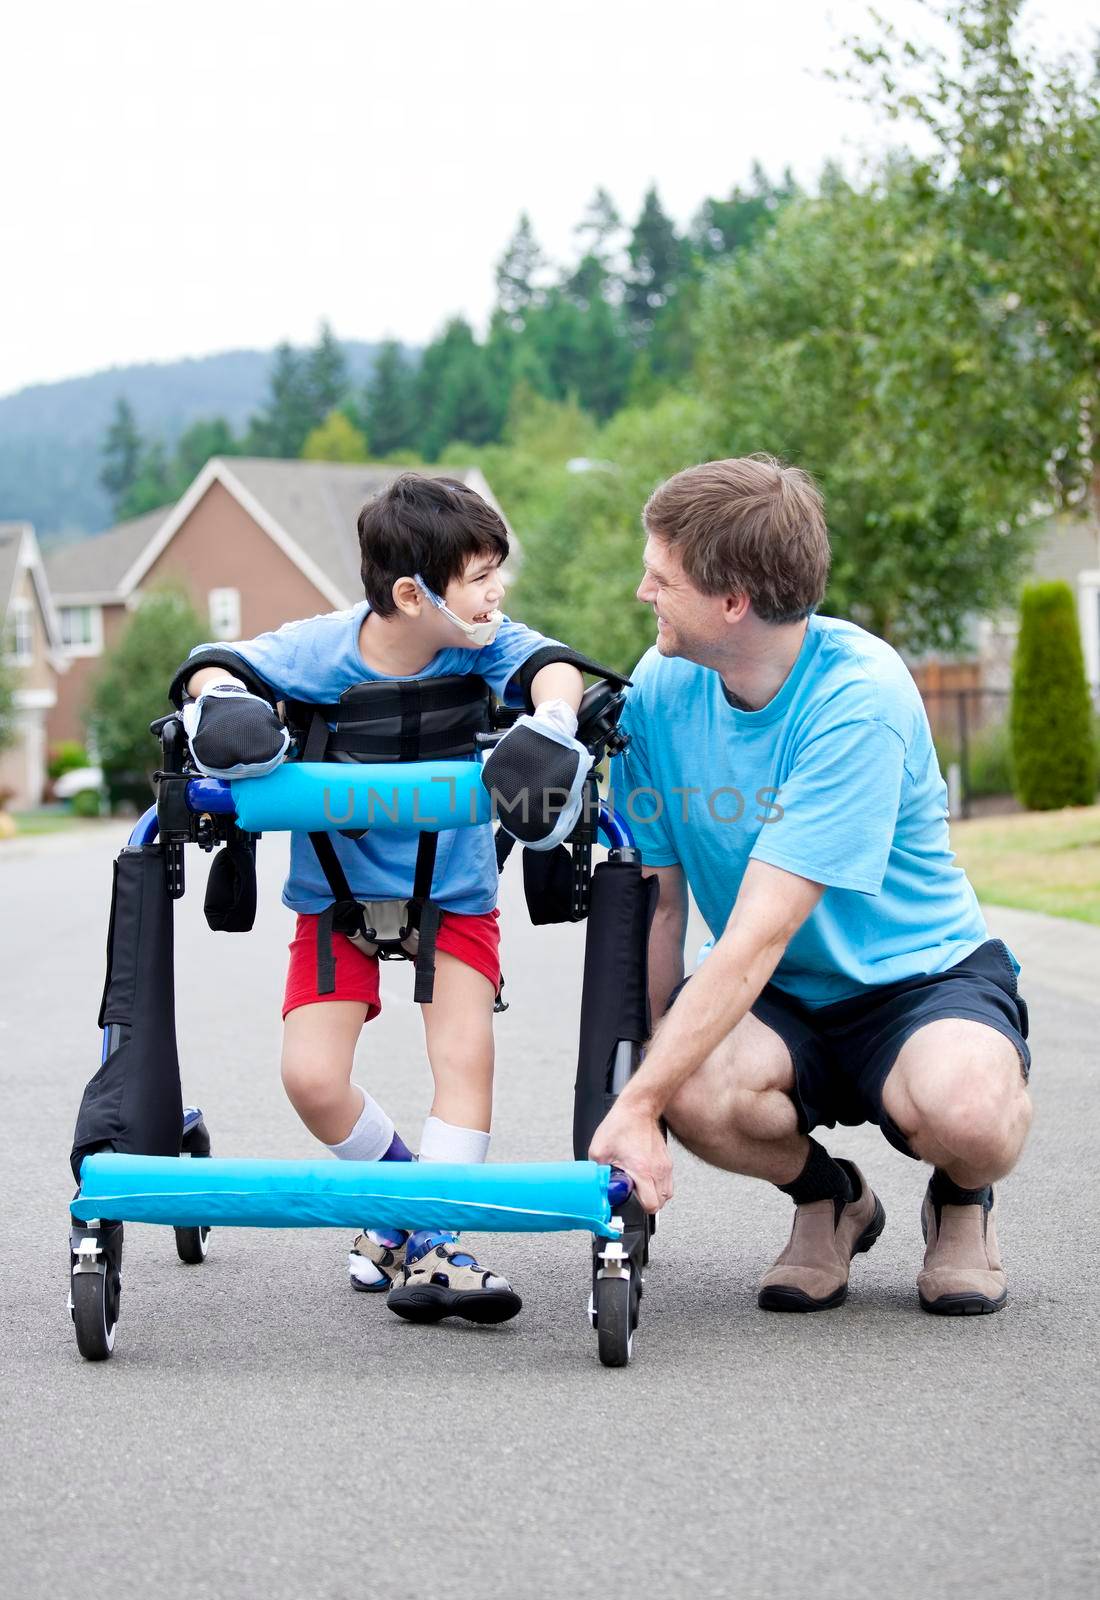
[{"x": 180, "y": 179}]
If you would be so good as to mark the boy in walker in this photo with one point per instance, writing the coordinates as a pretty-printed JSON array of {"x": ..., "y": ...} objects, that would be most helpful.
[{"x": 432, "y": 551}]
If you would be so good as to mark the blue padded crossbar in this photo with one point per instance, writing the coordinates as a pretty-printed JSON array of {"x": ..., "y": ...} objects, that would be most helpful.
[
  {"x": 186, "y": 1192},
  {"x": 429, "y": 796}
]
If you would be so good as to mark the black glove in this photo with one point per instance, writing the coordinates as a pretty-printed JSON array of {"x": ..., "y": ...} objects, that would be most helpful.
[
  {"x": 234, "y": 734},
  {"x": 536, "y": 778}
]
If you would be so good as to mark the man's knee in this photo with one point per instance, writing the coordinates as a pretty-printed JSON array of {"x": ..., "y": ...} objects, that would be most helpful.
[
  {"x": 744, "y": 1084},
  {"x": 970, "y": 1100}
]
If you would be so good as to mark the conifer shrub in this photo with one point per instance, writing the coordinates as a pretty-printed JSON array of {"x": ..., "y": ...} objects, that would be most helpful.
[{"x": 1053, "y": 751}]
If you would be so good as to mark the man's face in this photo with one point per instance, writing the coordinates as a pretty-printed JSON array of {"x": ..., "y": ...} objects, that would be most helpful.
[
  {"x": 689, "y": 623},
  {"x": 478, "y": 592}
]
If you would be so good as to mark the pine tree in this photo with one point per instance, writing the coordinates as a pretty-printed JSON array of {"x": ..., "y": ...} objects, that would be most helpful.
[
  {"x": 326, "y": 376},
  {"x": 280, "y": 429},
  {"x": 389, "y": 402},
  {"x": 1053, "y": 757},
  {"x": 517, "y": 270},
  {"x": 658, "y": 259},
  {"x": 121, "y": 453},
  {"x": 154, "y": 486}
]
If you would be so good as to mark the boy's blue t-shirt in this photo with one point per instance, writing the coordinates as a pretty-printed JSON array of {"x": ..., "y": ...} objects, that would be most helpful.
[
  {"x": 317, "y": 659},
  {"x": 835, "y": 779}
]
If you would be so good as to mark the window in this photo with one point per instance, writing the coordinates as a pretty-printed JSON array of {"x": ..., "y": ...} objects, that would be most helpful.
[
  {"x": 225, "y": 613},
  {"x": 76, "y": 625},
  {"x": 81, "y": 630},
  {"x": 19, "y": 642}
]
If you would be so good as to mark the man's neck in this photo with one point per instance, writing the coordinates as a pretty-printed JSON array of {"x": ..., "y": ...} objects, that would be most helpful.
[
  {"x": 387, "y": 646},
  {"x": 754, "y": 675}
]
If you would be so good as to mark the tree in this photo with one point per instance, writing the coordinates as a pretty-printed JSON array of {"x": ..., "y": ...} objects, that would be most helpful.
[
  {"x": 130, "y": 689},
  {"x": 8, "y": 715},
  {"x": 852, "y": 340},
  {"x": 720, "y": 227},
  {"x": 325, "y": 376},
  {"x": 154, "y": 486},
  {"x": 198, "y": 444},
  {"x": 280, "y": 429},
  {"x": 657, "y": 262},
  {"x": 1016, "y": 154},
  {"x": 337, "y": 439},
  {"x": 517, "y": 271},
  {"x": 1053, "y": 755},
  {"x": 583, "y": 542},
  {"x": 458, "y": 398},
  {"x": 121, "y": 453},
  {"x": 389, "y": 402}
]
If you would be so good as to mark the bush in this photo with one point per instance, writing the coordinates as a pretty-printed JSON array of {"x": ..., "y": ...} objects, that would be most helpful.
[
  {"x": 130, "y": 690},
  {"x": 991, "y": 761},
  {"x": 1053, "y": 749},
  {"x": 68, "y": 756},
  {"x": 86, "y": 803}
]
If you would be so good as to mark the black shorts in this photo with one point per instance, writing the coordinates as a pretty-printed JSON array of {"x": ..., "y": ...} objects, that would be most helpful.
[{"x": 843, "y": 1053}]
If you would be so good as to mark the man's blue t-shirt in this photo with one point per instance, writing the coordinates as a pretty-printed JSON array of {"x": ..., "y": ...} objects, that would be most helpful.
[
  {"x": 835, "y": 779},
  {"x": 317, "y": 659}
]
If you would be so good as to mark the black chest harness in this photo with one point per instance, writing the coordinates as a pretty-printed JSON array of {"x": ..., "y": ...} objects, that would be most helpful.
[{"x": 425, "y": 719}]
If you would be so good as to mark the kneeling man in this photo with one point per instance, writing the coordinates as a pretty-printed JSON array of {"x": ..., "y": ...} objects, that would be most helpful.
[{"x": 781, "y": 767}]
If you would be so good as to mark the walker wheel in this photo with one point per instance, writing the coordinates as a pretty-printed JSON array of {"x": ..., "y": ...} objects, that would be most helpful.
[
  {"x": 94, "y": 1298},
  {"x": 193, "y": 1243},
  {"x": 611, "y": 1313}
]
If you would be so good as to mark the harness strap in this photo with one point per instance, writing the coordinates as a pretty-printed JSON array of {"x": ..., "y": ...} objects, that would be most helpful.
[
  {"x": 345, "y": 915},
  {"x": 426, "y": 915}
]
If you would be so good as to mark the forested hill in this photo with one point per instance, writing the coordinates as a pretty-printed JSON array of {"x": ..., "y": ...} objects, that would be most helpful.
[{"x": 51, "y": 434}]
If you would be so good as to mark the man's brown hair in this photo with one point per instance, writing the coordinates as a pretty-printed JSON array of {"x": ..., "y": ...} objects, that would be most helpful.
[{"x": 750, "y": 525}]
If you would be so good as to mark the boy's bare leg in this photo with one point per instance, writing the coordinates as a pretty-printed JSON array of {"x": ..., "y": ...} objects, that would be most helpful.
[
  {"x": 441, "y": 1278},
  {"x": 318, "y": 1053},
  {"x": 458, "y": 1032}
]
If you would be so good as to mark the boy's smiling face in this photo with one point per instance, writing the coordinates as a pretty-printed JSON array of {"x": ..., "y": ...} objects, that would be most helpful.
[{"x": 478, "y": 592}]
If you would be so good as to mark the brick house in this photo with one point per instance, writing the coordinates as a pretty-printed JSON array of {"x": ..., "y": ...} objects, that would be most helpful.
[
  {"x": 255, "y": 542},
  {"x": 32, "y": 655}
]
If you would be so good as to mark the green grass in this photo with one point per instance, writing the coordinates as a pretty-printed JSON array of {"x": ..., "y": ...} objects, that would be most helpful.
[
  {"x": 1035, "y": 860},
  {"x": 31, "y": 822}
]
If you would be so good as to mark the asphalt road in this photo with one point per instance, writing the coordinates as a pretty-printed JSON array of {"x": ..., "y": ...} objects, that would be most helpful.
[{"x": 263, "y": 1431}]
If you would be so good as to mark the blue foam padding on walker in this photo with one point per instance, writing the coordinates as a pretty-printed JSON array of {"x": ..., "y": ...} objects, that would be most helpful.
[
  {"x": 315, "y": 796},
  {"x": 191, "y": 1192}
]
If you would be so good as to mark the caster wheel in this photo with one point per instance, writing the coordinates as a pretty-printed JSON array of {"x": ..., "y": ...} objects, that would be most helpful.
[
  {"x": 94, "y": 1298},
  {"x": 193, "y": 1243},
  {"x": 612, "y": 1314}
]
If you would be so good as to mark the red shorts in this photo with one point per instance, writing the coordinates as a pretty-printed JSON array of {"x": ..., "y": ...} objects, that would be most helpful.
[{"x": 474, "y": 940}]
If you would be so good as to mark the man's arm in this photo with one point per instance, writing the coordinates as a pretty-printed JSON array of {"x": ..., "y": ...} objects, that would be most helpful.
[
  {"x": 770, "y": 908},
  {"x": 666, "y": 937}
]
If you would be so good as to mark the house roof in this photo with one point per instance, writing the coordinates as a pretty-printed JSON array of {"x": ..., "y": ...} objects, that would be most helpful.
[
  {"x": 93, "y": 569},
  {"x": 11, "y": 542},
  {"x": 309, "y": 508},
  {"x": 19, "y": 553}
]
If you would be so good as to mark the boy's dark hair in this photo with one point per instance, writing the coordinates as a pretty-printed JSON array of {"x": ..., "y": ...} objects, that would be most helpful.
[{"x": 430, "y": 526}]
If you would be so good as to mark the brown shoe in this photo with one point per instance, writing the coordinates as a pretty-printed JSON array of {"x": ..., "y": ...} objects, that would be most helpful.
[
  {"x": 812, "y": 1272},
  {"x": 962, "y": 1274}
]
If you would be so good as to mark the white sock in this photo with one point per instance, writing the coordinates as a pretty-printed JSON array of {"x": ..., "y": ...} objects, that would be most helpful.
[
  {"x": 441, "y": 1141},
  {"x": 370, "y": 1138}
]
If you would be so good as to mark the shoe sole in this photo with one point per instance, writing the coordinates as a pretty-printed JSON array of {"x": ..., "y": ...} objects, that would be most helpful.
[
  {"x": 432, "y": 1302},
  {"x": 963, "y": 1305},
  {"x": 778, "y": 1297}
]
